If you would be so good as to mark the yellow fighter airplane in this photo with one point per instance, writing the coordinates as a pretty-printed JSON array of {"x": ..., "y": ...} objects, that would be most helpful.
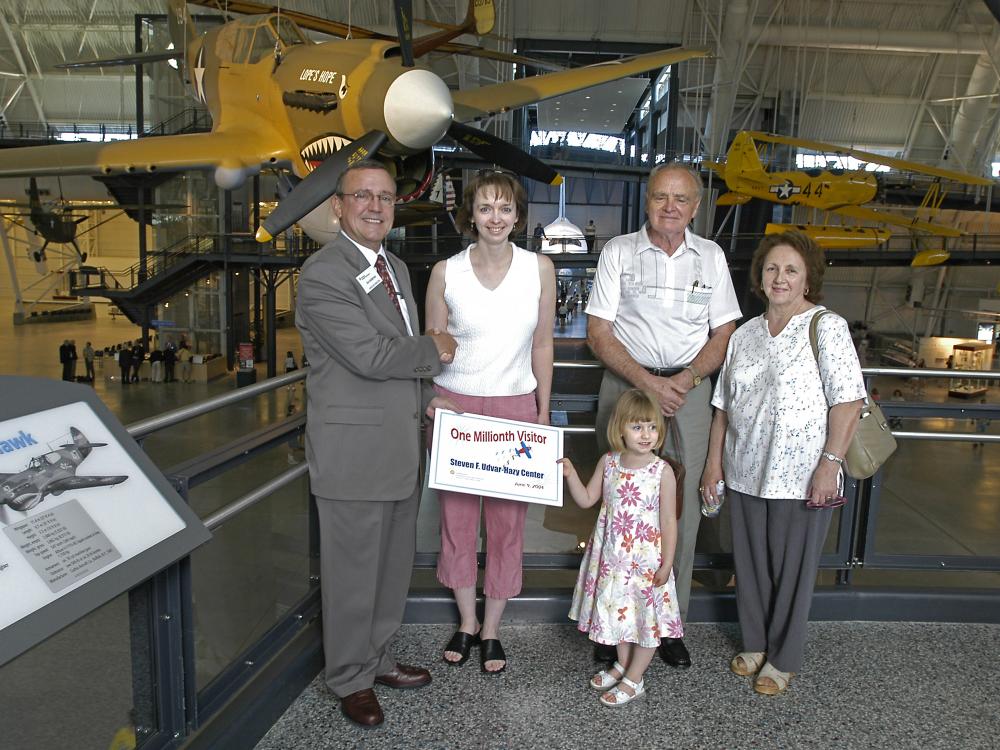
[
  {"x": 841, "y": 191},
  {"x": 279, "y": 100}
]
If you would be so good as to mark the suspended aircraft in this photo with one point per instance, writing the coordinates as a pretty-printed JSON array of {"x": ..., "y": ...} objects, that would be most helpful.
[
  {"x": 281, "y": 101},
  {"x": 842, "y": 191},
  {"x": 51, "y": 473}
]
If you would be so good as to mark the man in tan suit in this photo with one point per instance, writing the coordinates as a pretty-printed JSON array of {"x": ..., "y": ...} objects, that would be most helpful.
[{"x": 367, "y": 394}]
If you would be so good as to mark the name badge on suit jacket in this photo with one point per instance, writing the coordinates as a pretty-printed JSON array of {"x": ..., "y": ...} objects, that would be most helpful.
[{"x": 368, "y": 279}]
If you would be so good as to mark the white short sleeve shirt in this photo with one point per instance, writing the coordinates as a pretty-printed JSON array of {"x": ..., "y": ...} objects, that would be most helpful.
[
  {"x": 663, "y": 306},
  {"x": 777, "y": 398}
]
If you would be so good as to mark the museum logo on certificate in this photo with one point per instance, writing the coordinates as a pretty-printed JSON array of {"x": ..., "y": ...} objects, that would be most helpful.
[{"x": 496, "y": 457}]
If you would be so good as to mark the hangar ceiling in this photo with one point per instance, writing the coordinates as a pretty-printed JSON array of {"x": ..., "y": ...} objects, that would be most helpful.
[{"x": 916, "y": 78}]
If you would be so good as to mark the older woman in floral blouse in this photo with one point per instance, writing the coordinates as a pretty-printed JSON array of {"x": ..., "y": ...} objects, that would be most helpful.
[{"x": 782, "y": 424}]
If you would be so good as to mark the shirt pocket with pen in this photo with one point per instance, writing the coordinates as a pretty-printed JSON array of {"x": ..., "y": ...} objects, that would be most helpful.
[{"x": 696, "y": 298}]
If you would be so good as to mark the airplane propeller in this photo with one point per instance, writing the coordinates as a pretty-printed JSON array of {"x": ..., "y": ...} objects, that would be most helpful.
[
  {"x": 504, "y": 154},
  {"x": 318, "y": 185},
  {"x": 404, "y": 29}
]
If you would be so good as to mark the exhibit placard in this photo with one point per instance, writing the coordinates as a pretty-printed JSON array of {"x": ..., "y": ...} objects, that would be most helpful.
[
  {"x": 84, "y": 515},
  {"x": 496, "y": 457}
]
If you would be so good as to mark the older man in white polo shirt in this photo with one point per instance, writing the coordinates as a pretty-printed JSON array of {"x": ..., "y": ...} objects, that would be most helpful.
[{"x": 659, "y": 318}]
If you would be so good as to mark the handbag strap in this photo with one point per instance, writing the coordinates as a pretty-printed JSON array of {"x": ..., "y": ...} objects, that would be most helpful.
[
  {"x": 814, "y": 343},
  {"x": 813, "y": 328}
]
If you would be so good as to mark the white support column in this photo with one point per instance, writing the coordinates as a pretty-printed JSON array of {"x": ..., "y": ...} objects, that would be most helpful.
[
  {"x": 11, "y": 268},
  {"x": 932, "y": 319},
  {"x": 728, "y": 70},
  {"x": 972, "y": 112}
]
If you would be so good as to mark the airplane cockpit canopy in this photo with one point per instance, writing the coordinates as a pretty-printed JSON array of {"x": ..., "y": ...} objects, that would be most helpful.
[
  {"x": 254, "y": 38},
  {"x": 39, "y": 462}
]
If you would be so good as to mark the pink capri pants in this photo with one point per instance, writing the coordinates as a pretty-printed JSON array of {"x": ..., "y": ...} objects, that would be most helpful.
[{"x": 504, "y": 518}]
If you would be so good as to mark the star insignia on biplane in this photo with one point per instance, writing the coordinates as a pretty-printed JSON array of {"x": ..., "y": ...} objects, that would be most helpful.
[{"x": 785, "y": 190}]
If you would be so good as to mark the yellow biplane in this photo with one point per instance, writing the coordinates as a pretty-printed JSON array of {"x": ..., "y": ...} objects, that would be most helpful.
[
  {"x": 841, "y": 191},
  {"x": 279, "y": 100}
]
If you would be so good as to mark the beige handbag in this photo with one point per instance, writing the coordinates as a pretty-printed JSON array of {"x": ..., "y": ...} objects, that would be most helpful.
[{"x": 873, "y": 442}]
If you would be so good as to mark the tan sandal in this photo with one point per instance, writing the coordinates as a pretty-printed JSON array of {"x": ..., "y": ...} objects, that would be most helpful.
[
  {"x": 772, "y": 681},
  {"x": 747, "y": 663}
]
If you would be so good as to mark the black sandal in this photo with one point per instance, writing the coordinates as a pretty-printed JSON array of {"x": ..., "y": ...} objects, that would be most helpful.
[
  {"x": 461, "y": 643},
  {"x": 491, "y": 650}
]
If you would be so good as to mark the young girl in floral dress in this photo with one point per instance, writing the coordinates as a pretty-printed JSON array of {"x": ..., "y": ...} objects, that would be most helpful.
[{"x": 625, "y": 593}]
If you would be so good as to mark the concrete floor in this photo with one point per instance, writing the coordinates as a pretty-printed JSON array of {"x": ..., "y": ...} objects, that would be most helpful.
[
  {"x": 936, "y": 498},
  {"x": 863, "y": 685}
]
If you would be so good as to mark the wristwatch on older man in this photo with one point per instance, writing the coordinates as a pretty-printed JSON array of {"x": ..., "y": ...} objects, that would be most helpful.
[{"x": 694, "y": 375}]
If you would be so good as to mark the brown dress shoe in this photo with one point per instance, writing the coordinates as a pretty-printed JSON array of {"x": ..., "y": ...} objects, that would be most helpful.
[
  {"x": 405, "y": 676},
  {"x": 362, "y": 708}
]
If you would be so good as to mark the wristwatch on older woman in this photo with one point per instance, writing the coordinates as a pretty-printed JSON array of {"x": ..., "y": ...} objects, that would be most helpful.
[{"x": 832, "y": 457}]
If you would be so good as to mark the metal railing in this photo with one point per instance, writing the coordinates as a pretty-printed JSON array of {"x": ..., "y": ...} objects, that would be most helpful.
[
  {"x": 238, "y": 246},
  {"x": 164, "y": 629}
]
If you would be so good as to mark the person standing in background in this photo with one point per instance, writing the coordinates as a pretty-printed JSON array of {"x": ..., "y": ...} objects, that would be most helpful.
[
  {"x": 125, "y": 362},
  {"x": 138, "y": 357},
  {"x": 88, "y": 361},
  {"x": 73, "y": 357},
  {"x": 156, "y": 365},
  {"x": 184, "y": 356},
  {"x": 64, "y": 358},
  {"x": 169, "y": 360}
]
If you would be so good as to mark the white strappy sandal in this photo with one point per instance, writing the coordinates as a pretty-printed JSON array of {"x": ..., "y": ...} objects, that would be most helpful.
[
  {"x": 604, "y": 680},
  {"x": 617, "y": 697}
]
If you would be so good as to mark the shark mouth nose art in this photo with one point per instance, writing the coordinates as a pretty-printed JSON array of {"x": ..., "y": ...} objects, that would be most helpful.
[{"x": 316, "y": 151}]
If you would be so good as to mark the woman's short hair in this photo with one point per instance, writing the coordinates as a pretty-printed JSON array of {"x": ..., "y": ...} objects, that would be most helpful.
[
  {"x": 811, "y": 254},
  {"x": 498, "y": 183},
  {"x": 635, "y": 405}
]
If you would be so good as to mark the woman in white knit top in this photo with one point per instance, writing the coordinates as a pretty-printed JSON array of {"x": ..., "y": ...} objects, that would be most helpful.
[{"x": 498, "y": 301}]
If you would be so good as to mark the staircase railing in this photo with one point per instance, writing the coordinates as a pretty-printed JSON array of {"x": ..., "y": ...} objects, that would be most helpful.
[
  {"x": 239, "y": 246},
  {"x": 188, "y": 120}
]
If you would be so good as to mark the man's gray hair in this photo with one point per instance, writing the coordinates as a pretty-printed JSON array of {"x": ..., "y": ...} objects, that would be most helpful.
[
  {"x": 363, "y": 164},
  {"x": 679, "y": 166}
]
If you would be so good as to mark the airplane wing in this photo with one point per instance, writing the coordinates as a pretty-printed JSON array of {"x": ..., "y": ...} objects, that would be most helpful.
[
  {"x": 122, "y": 60},
  {"x": 167, "y": 153},
  {"x": 732, "y": 199},
  {"x": 82, "y": 483},
  {"x": 866, "y": 156},
  {"x": 888, "y": 217},
  {"x": 345, "y": 31},
  {"x": 475, "y": 103}
]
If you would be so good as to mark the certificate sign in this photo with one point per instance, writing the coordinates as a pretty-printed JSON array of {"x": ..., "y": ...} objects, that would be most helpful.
[{"x": 496, "y": 457}]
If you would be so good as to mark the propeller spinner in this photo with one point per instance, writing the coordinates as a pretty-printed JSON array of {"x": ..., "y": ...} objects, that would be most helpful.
[{"x": 417, "y": 112}]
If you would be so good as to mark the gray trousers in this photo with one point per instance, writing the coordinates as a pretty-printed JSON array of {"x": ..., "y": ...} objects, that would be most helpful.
[
  {"x": 366, "y": 560},
  {"x": 776, "y": 548},
  {"x": 694, "y": 421}
]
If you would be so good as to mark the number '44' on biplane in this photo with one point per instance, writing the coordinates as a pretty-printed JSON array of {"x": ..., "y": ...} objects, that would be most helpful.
[
  {"x": 842, "y": 191},
  {"x": 279, "y": 100}
]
